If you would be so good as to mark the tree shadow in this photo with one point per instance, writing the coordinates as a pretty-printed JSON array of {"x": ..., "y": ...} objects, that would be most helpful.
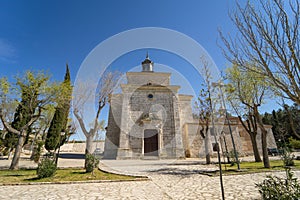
[
  {"x": 83, "y": 172},
  {"x": 183, "y": 172},
  {"x": 190, "y": 163},
  {"x": 32, "y": 179},
  {"x": 14, "y": 175}
]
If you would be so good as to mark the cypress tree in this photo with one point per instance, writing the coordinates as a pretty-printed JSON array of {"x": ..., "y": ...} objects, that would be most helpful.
[
  {"x": 24, "y": 112},
  {"x": 66, "y": 104},
  {"x": 60, "y": 118},
  {"x": 53, "y": 135}
]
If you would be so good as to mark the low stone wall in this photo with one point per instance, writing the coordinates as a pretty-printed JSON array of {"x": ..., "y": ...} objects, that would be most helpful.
[{"x": 80, "y": 147}]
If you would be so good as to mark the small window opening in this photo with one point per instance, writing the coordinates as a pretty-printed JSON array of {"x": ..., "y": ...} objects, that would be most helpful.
[{"x": 150, "y": 96}]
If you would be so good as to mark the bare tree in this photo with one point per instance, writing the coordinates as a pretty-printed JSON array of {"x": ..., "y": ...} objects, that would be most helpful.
[
  {"x": 106, "y": 86},
  {"x": 203, "y": 115},
  {"x": 205, "y": 106},
  {"x": 268, "y": 35}
]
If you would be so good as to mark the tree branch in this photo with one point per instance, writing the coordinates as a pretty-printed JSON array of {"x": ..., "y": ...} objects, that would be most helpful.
[
  {"x": 6, "y": 125},
  {"x": 81, "y": 123}
]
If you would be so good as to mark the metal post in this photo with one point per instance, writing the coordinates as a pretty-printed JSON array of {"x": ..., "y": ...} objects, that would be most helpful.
[
  {"x": 218, "y": 149},
  {"x": 230, "y": 131},
  {"x": 219, "y": 160},
  {"x": 229, "y": 126}
]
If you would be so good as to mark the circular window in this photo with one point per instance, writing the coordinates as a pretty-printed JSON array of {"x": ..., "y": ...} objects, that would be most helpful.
[{"x": 150, "y": 96}]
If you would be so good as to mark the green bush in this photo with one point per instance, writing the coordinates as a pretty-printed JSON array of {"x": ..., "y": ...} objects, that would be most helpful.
[
  {"x": 288, "y": 158},
  {"x": 232, "y": 157},
  {"x": 280, "y": 188},
  {"x": 37, "y": 152},
  {"x": 46, "y": 168},
  {"x": 295, "y": 144},
  {"x": 91, "y": 163}
]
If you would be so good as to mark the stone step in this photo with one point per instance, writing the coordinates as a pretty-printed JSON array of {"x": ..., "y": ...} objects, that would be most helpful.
[{"x": 150, "y": 158}]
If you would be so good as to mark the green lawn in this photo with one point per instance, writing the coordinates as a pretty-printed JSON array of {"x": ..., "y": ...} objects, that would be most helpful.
[
  {"x": 24, "y": 176},
  {"x": 29, "y": 176},
  {"x": 254, "y": 167}
]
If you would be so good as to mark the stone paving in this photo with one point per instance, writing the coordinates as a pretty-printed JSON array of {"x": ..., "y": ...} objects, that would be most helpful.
[{"x": 182, "y": 179}]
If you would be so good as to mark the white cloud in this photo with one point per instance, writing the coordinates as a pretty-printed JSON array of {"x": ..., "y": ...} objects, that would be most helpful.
[{"x": 7, "y": 50}]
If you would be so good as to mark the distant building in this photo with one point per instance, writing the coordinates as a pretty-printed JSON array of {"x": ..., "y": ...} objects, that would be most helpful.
[{"x": 150, "y": 119}]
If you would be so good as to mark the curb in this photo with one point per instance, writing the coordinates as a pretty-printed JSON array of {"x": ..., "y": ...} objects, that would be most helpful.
[
  {"x": 74, "y": 182},
  {"x": 102, "y": 167}
]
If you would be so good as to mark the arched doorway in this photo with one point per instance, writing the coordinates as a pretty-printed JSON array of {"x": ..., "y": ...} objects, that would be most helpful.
[{"x": 150, "y": 142}]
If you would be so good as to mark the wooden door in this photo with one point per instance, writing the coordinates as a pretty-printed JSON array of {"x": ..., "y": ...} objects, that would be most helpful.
[{"x": 150, "y": 142}]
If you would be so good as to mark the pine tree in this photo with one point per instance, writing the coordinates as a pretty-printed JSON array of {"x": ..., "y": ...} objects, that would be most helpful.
[{"x": 60, "y": 118}]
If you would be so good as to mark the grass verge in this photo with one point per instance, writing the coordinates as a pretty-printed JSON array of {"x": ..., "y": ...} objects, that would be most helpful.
[
  {"x": 24, "y": 176},
  {"x": 256, "y": 167}
]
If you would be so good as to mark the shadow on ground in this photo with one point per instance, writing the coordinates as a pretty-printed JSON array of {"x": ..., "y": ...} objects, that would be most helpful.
[
  {"x": 183, "y": 172},
  {"x": 71, "y": 156}
]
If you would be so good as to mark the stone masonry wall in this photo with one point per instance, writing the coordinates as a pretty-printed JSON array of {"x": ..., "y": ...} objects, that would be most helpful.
[
  {"x": 144, "y": 78},
  {"x": 160, "y": 107},
  {"x": 194, "y": 144},
  {"x": 113, "y": 130},
  {"x": 80, "y": 147}
]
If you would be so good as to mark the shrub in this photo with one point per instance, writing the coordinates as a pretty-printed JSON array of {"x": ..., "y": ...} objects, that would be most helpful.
[
  {"x": 37, "y": 152},
  {"x": 46, "y": 168},
  {"x": 295, "y": 144},
  {"x": 91, "y": 163},
  {"x": 280, "y": 188},
  {"x": 232, "y": 157},
  {"x": 287, "y": 157}
]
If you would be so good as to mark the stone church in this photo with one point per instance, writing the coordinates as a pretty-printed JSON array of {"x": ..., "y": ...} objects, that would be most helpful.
[{"x": 151, "y": 119}]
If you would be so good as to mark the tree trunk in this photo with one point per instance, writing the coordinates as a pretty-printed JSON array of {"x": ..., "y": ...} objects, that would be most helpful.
[
  {"x": 15, "y": 161},
  {"x": 254, "y": 147},
  {"x": 33, "y": 152},
  {"x": 207, "y": 144},
  {"x": 264, "y": 143},
  {"x": 265, "y": 148},
  {"x": 251, "y": 127},
  {"x": 89, "y": 147},
  {"x": 32, "y": 147}
]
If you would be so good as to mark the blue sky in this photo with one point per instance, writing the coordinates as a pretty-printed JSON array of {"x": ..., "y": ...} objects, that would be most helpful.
[{"x": 48, "y": 34}]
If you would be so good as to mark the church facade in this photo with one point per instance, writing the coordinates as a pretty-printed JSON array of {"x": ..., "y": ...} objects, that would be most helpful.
[{"x": 151, "y": 119}]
